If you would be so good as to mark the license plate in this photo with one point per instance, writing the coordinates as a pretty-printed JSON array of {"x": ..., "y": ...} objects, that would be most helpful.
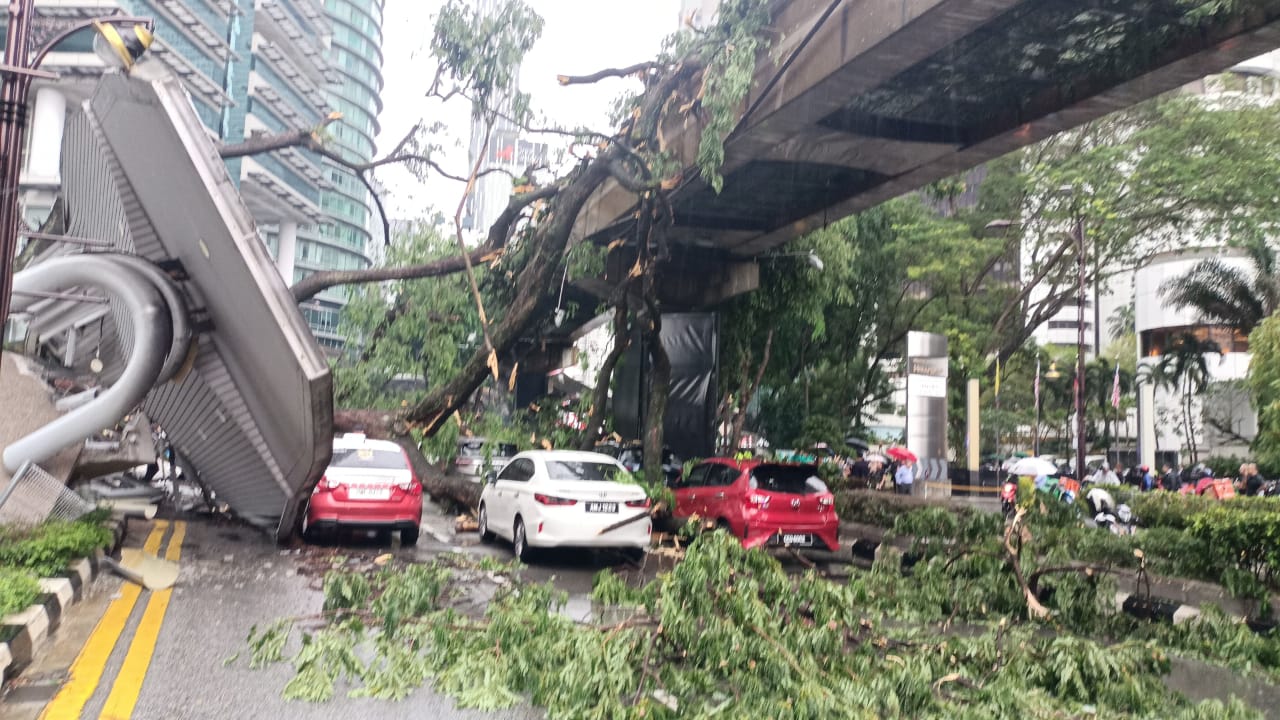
[
  {"x": 369, "y": 493},
  {"x": 602, "y": 507},
  {"x": 801, "y": 539}
]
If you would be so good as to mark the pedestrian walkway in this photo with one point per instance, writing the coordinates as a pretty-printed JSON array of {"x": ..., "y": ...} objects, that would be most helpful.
[{"x": 111, "y": 663}]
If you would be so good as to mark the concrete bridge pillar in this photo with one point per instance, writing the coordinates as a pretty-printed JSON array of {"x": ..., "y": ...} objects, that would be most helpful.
[{"x": 287, "y": 237}]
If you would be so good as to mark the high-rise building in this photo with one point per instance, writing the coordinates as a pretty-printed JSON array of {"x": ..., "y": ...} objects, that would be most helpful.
[
  {"x": 355, "y": 57},
  {"x": 498, "y": 147},
  {"x": 251, "y": 67}
]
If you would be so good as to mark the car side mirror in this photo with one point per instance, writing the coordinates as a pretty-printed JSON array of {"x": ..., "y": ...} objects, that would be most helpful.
[{"x": 491, "y": 477}]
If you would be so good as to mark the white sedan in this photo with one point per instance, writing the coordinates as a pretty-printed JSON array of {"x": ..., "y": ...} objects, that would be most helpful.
[{"x": 563, "y": 498}]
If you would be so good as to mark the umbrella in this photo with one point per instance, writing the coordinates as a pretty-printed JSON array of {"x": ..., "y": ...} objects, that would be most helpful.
[
  {"x": 902, "y": 454},
  {"x": 856, "y": 443},
  {"x": 876, "y": 457},
  {"x": 1033, "y": 467}
]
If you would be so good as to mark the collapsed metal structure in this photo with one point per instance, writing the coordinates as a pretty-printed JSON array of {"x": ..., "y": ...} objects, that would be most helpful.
[{"x": 176, "y": 302}]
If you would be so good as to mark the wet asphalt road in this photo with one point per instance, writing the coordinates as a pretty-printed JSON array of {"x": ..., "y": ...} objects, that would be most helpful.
[{"x": 233, "y": 578}]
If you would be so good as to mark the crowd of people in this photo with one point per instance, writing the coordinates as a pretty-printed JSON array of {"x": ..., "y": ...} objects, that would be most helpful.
[{"x": 1192, "y": 479}]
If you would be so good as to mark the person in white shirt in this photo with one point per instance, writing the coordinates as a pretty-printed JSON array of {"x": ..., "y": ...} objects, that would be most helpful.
[
  {"x": 903, "y": 478},
  {"x": 1106, "y": 476}
]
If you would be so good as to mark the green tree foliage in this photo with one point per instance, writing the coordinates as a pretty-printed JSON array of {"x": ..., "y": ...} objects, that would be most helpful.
[
  {"x": 405, "y": 336},
  {"x": 729, "y": 633},
  {"x": 1264, "y": 384},
  {"x": 1223, "y": 293}
]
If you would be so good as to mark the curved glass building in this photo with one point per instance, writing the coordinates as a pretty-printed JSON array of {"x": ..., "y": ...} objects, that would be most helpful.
[{"x": 355, "y": 62}]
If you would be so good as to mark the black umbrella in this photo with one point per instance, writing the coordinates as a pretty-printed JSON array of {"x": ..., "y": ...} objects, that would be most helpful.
[{"x": 856, "y": 443}]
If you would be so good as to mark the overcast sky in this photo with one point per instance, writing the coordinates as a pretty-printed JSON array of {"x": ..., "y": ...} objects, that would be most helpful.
[{"x": 579, "y": 37}]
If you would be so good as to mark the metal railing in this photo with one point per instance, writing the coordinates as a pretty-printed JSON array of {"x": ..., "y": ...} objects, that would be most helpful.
[{"x": 33, "y": 496}]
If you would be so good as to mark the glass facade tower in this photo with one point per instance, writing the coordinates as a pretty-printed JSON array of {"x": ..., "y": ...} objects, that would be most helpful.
[{"x": 255, "y": 67}]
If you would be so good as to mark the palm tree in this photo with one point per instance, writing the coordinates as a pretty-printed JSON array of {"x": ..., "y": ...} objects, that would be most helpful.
[
  {"x": 1183, "y": 368},
  {"x": 1121, "y": 322},
  {"x": 1229, "y": 295}
]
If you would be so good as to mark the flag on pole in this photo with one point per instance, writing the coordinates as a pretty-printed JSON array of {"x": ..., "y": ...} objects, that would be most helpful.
[
  {"x": 997, "y": 376},
  {"x": 1115, "y": 389},
  {"x": 1036, "y": 386}
]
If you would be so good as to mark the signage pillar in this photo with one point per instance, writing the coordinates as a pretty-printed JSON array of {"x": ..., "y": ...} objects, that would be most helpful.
[{"x": 927, "y": 411}]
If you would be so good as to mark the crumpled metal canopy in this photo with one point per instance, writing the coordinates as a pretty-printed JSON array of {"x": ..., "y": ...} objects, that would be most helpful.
[{"x": 252, "y": 411}]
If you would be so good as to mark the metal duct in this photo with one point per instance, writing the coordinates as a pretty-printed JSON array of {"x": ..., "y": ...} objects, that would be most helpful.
[{"x": 152, "y": 331}]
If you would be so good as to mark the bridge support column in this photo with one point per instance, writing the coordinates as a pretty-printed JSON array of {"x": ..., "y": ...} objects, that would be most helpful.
[{"x": 287, "y": 239}]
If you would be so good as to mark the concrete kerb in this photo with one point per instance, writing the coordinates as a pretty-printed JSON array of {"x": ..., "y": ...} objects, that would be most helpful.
[{"x": 24, "y": 634}]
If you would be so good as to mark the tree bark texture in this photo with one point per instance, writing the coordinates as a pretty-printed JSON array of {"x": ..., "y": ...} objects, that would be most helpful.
[
  {"x": 659, "y": 391},
  {"x": 600, "y": 398},
  {"x": 740, "y": 417},
  {"x": 548, "y": 242}
]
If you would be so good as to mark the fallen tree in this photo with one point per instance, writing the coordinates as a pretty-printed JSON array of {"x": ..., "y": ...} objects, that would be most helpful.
[
  {"x": 729, "y": 633},
  {"x": 701, "y": 79}
]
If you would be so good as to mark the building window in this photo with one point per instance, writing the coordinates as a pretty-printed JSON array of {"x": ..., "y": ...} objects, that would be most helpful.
[
  {"x": 1068, "y": 325},
  {"x": 1229, "y": 340}
]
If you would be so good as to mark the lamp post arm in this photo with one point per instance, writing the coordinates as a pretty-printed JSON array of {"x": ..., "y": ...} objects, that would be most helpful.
[{"x": 148, "y": 23}]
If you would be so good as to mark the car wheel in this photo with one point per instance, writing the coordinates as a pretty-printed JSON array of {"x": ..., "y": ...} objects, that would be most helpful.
[
  {"x": 634, "y": 555},
  {"x": 723, "y": 524},
  {"x": 409, "y": 536},
  {"x": 520, "y": 543},
  {"x": 486, "y": 535}
]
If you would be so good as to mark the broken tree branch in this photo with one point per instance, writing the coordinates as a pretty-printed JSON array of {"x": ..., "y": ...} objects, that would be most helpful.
[
  {"x": 314, "y": 283},
  {"x": 628, "y": 71}
]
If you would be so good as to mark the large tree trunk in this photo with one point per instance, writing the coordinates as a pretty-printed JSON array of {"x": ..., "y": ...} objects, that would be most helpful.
[
  {"x": 534, "y": 285},
  {"x": 740, "y": 417},
  {"x": 600, "y": 399},
  {"x": 659, "y": 390}
]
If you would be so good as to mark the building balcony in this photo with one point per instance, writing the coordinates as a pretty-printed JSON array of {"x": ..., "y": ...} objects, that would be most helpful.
[
  {"x": 306, "y": 51},
  {"x": 274, "y": 193}
]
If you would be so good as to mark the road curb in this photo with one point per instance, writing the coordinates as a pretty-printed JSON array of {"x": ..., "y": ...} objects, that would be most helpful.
[{"x": 24, "y": 634}]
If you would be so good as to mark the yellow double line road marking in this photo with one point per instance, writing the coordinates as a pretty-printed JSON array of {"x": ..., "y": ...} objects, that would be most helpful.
[
  {"x": 124, "y": 695},
  {"x": 86, "y": 672}
]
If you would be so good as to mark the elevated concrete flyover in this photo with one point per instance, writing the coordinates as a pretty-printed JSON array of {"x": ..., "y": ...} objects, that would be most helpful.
[
  {"x": 239, "y": 385},
  {"x": 860, "y": 101}
]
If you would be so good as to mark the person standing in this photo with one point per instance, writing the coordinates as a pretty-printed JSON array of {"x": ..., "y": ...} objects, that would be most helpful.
[
  {"x": 1253, "y": 484},
  {"x": 1170, "y": 479},
  {"x": 903, "y": 478},
  {"x": 1105, "y": 476}
]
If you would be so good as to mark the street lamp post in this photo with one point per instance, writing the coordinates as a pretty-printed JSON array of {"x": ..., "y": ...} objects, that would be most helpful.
[
  {"x": 19, "y": 69},
  {"x": 1079, "y": 385}
]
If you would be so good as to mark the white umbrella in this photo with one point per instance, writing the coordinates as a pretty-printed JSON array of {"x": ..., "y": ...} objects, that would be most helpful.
[
  {"x": 1033, "y": 467},
  {"x": 876, "y": 457}
]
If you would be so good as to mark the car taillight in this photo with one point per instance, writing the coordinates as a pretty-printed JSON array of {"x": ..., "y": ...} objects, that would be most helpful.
[
  {"x": 638, "y": 503},
  {"x": 758, "y": 500},
  {"x": 826, "y": 501},
  {"x": 552, "y": 500}
]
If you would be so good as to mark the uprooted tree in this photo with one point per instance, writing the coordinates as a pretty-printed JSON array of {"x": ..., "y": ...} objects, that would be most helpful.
[{"x": 701, "y": 77}]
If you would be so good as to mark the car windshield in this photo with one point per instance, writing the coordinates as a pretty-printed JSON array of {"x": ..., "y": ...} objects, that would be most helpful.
[
  {"x": 475, "y": 448},
  {"x": 367, "y": 459},
  {"x": 793, "y": 479},
  {"x": 587, "y": 471}
]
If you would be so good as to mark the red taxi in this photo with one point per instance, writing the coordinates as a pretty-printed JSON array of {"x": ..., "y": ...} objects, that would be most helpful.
[{"x": 369, "y": 485}]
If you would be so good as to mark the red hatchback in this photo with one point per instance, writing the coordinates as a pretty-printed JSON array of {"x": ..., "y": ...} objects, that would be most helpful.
[
  {"x": 369, "y": 485},
  {"x": 762, "y": 502}
]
